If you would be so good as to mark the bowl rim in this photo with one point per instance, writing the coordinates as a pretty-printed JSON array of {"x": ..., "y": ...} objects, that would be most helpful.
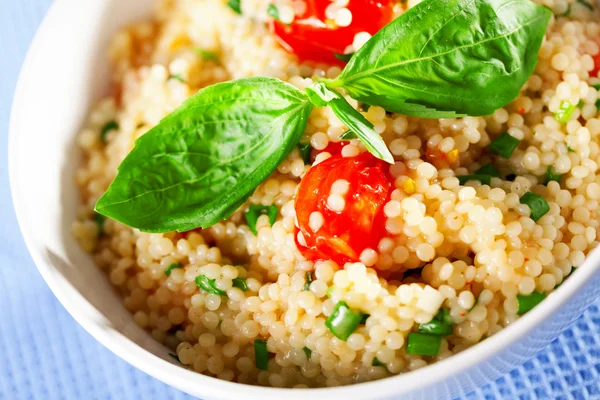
[{"x": 193, "y": 382}]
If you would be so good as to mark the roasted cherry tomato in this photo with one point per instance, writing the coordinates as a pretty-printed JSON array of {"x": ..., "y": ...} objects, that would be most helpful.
[
  {"x": 342, "y": 233},
  {"x": 594, "y": 72},
  {"x": 313, "y": 37}
]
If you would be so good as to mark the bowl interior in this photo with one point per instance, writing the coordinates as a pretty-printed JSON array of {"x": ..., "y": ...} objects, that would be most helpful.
[{"x": 65, "y": 72}]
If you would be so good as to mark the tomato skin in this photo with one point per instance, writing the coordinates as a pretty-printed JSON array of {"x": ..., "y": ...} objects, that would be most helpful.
[
  {"x": 361, "y": 224},
  {"x": 312, "y": 37}
]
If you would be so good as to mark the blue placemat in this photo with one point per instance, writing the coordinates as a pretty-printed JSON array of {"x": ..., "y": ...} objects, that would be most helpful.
[{"x": 45, "y": 354}]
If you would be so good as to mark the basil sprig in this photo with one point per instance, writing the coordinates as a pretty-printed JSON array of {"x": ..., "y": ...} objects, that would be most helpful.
[
  {"x": 448, "y": 58},
  {"x": 201, "y": 163}
]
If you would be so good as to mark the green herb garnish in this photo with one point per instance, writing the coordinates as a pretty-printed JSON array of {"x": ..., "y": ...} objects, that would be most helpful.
[
  {"x": 240, "y": 284},
  {"x": 273, "y": 11},
  {"x": 551, "y": 176},
  {"x": 488, "y": 169},
  {"x": 208, "y": 55},
  {"x": 255, "y": 211},
  {"x": 586, "y": 4},
  {"x": 537, "y": 204},
  {"x": 177, "y": 77},
  {"x": 305, "y": 151},
  {"x": 261, "y": 354},
  {"x": 527, "y": 302},
  {"x": 236, "y": 6},
  {"x": 364, "y": 318},
  {"x": 377, "y": 363},
  {"x": 343, "y": 57},
  {"x": 566, "y": 109},
  {"x": 597, "y": 104},
  {"x": 504, "y": 145},
  {"x": 423, "y": 344},
  {"x": 100, "y": 221},
  {"x": 307, "y": 351},
  {"x": 171, "y": 267},
  {"x": 343, "y": 321},
  {"x": 569, "y": 148},
  {"x": 441, "y": 324},
  {"x": 309, "y": 279},
  {"x": 596, "y": 86},
  {"x": 109, "y": 126},
  {"x": 208, "y": 285}
]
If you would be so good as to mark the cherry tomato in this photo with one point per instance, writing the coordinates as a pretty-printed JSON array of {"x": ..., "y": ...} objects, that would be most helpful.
[
  {"x": 594, "y": 72},
  {"x": 344, "y": 234},
  {"x": 312, "y": 37}
]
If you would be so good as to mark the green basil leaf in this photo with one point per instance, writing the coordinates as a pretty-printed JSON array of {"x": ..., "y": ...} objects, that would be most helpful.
[
  {"x": 305, "y": 151},
  {"x": 321, "y": 96},
  {"x": 273, "y": 11},
  {"x": 202, "y": 162},
  {"x": 343, "y": 57},
  {"x": 236, "y": 6},
  {"x": 448, "y": 57},
  {"x": 348, "y": 135}
]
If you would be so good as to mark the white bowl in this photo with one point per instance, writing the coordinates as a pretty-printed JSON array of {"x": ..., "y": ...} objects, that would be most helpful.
[{"x": 65, "y": 71}]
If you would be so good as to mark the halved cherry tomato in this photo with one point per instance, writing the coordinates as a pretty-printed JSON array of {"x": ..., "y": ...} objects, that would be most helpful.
[
  {"x": 360, "y": 225},
  {"x": 312, "y": 37},
  {"x": 594, "y": 72}
]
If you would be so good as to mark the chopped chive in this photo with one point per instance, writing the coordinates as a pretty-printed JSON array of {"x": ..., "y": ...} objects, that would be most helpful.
[
  {"x": 586, "y": 4},
  {"x": 377, "y": 363},
  {"x": 175, "y": 357},
  {"x": 177, "y": 77},
  {"x": 171, "y": 268},
  {"x": 343, "y": 321},
  {"x": 537, "y": 204},
  {"x": 208, "y": 285},
  {"x": 423, "y": 344},
  {"x": 208, "y": 55},
  {"x": 109, "y": 126},
  {"x": 235, "y": 5},
  {"x": 240, "y": 284},
  {"x": 305, "y": 150},
  {"x": 488, "y": 169},
  {"x": 569, "y": 148},
  {"x": 440, "y": 325},
  {"x": 343, "y": 57},
  {"x": 504, "y": 145},
  {"x": 307, "y": 351},
  {"x": 527, "y": 302},
  {"x": 484, "y": 179},
  {"x": 255, "y": 211},
  {"x": 551, "y": 176},
  {"x": 261, "y": 354},
  {"x": 309, "y": 279},
  {"x": 100, "y": 220},
  {"x": 364, "y": 318},
  {"x": 566, "y": 109},
  {"x": 348, "y": 135}
]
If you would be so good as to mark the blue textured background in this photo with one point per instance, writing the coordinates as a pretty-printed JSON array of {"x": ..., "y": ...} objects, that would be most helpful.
[{"x": 45, "y": 354}]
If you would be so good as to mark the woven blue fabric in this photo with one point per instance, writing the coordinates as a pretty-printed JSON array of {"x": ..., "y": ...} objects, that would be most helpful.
[{"x": 46, "y": 355}]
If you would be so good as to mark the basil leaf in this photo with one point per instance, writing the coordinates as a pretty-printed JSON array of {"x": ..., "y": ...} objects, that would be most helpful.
[
  {"x": 447, "y": 58},
  {"x": 202, "y": 162},
  {"x": 348, "y": 135},
  {"x": 236, "y": 6},
  {"x": 273, "y": 11},
  {"x": 321, "y": 96},
  {"x": 343, "y": 57}
]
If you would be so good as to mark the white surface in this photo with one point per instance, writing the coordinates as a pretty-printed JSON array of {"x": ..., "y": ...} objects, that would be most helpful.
[{"x": 65, "y": 71}]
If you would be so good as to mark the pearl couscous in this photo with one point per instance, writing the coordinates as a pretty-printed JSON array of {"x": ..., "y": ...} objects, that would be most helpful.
[{"x": 483, "y": 217}]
